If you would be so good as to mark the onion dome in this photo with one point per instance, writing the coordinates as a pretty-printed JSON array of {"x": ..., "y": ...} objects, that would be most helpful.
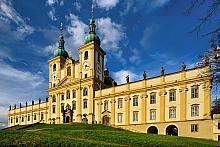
[
  {"x": 92, "y": 34},
  {"x": 61, "y": 51}
]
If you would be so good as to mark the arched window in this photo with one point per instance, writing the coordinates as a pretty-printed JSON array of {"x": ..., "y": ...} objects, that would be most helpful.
[
  {"x": 85, "y": 92},
  {"x": 106, "y": 105},
  {"x": 74, "y": 105},
  {"x": 86, "y": 55},
  {"x": 68, "y": 94},
  {"x": 54, "y": 67},
  {"x": 68, "y": 71},
  {"x": 74, "y": 93},
  {"x": 54, "y": 98}
]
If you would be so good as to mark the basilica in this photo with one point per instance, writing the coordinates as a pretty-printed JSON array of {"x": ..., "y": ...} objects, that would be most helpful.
[{"x": 82, "y": 91}]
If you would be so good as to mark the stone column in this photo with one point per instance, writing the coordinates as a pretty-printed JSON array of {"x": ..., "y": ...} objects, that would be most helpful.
[
  {"x": 207, "y": 100},
  {"x": 162, "y": 100},
  {"x": 58, "y": 108},
  {"x": 50, "y": 109},
  {"x": 99, "y": 111},
  {"x": 90, "y": 101},
  {"x": 127, "y": 105},
  {"x": 183, "y": 94},
  {"x": 113, "y": 106},
  {"x": 143, "y": 102},
  {"x": 79, "y": 106}
]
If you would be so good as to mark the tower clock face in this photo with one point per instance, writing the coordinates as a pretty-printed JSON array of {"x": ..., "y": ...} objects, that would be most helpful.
[
  {"x": 54, "y": 76},
  {"x": 86, "y": 66},
  {"x": 98, "y": 68}
]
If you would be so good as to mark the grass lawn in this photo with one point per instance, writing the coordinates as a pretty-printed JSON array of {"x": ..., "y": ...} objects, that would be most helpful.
[{"x": 91, "y": 135}]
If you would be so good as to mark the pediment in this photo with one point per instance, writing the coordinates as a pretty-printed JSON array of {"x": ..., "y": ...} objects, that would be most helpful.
[{"x": 64, "y": 81}]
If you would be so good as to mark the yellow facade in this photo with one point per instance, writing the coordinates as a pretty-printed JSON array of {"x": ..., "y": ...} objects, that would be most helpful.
[{"x": 170, "y": 104}]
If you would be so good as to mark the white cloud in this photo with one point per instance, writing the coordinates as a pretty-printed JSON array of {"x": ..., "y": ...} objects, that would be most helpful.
[
  {"x": 19, "y": 86},
  {"x": 111, "y": 35},
  {"x": 120, "y": 76},
  {"x": 147, "y": 34},
  {"x": 77, "y": 5},
  {"x": 51, "y": 2},
  {"x": 159, "y": 3},
  {"x": 51, "y": 14},
  {"x": 107, "y": 4},
  {"x": 135, "y": 58},
  {"x": 9, "y": 14}
]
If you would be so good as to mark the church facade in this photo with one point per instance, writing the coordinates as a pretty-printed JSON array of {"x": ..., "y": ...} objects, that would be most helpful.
[{"x": 82, "y": 91}]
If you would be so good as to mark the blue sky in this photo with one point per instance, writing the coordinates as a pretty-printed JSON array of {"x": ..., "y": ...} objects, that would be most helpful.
[{"x": 137, "y": 35}]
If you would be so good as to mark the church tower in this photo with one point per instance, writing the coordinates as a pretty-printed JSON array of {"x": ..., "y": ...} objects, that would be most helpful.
[
  {"x": 91, "y": 54},
  {"x": 60, "y": 56},
  {"x": 91, "y": 70}
]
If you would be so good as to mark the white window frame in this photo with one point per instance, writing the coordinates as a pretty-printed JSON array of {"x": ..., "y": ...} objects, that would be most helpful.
[
  {"x": 135, "y": 116},
  {"x": 152, "y": 114},
  {"x": 106, "y": 105},
  {"x": 153, "y": 98},
  {"x": 195, "y": 110},
  {"x": 120, "y": 117},
  {"x": 194, "y": 92},
  {"x": 135, "y": 101},
  {"x": 172, "y": 112},
  {"x": 120, "y": 103},
  {"x": 194, "y": 127},
  {"x": 172, "y": 95}
]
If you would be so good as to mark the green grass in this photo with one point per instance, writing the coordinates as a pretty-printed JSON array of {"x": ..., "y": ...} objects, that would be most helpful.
[{"x": 91, "y": 135}]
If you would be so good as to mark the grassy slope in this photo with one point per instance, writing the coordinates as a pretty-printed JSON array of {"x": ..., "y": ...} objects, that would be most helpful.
[{"x": 91, "y": 135}]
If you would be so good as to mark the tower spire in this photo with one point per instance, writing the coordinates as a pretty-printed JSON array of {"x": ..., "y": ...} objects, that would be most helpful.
[
  {"x": 92, "y": 25},
  {"x": 93, "y": 9},
  {"x": 61, "y": 39}
]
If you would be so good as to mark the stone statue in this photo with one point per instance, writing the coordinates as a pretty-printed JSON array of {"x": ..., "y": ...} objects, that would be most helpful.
[
  {"x": 145, "y": 75},
  {"x": 127, "y": 78},
  {"x": 183, "y": 66},
  {"x": 162, "y": 71}
]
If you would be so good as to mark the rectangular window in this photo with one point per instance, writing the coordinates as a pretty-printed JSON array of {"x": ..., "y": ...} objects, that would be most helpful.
[
  {"x": 218, "y": 137},
  {"x": 106, "y": 105},
  {"x": 54, "y": 108},
  {"x": 35, "y": 116},
  {"x": 172, "y": 112},
  {"x": 85, "y": 103},
  {"x": 194, "y": 127},
  {"x": 22, "y": 119},
  {"x": 11, "y": 120},
  {"x": 120, "y": 117},
  {"x": 16, "y": 119},
  {"x": 120, "y": 103},
  {"x": 135, "y": 101},
  {"x": 195, "y": 110},
  {"x": 135, "y": 116},
  {"x": 74, "y": 105},
  {"x": 152, "y": 114},
  {"x": 218, "y": 125},
  {"x": 42, "y": 116},
  {"x": 85, "y": 75},
  {"x": 194, "y": 92},
  {"x": 62, "y": 97},
  {"x": 74, "y": 93},
  {"x": 28, "y": 117},
  {"x": 62, "y": 107},
  {"x": 153, "y": 98},
  {"x": 172, "y": 95}
]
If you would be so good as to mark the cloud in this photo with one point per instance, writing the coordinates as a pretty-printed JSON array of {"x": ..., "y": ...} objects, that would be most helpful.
[
  {"x": 76, "y": 32},
  {"x": 120, "y": 76},
  {"x": 9, "y": 15},
  {"x": 111, "y": 35},
  {"x": 147, "y": 34},
  {"x": 19, "y": 86},
  {"x": 77, "y": 5},
  {"x": 135, "y": 58},
  {"x": 159, "y": 3},
  {"x": 51, "y": 14},
  {"x": 107, "y": 4}
]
